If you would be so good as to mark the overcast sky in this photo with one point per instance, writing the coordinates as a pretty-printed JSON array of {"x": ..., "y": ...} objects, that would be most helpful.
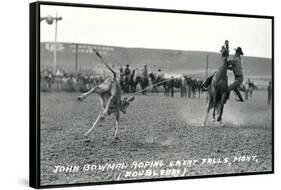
[{"x": 158, "y": 30}]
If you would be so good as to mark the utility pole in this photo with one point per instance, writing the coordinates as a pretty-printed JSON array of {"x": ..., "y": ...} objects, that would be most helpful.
[
  {"x": 76, "y": 58},
  {"x": 55, "y": 45},
  {"x": 49, "y": 19}
]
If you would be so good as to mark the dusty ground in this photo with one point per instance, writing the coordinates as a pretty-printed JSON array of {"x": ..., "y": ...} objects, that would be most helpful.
[{"x": 155, "y": 128}]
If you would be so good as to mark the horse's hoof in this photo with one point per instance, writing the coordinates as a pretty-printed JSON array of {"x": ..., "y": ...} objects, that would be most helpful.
[
  {"x": 102, "y": 117},
  {"x": 86, "y": 139},
  {"x": 219, "y": 119},
  {"x": 80, "y": 98},
  {"x": 213, "y": 120}
]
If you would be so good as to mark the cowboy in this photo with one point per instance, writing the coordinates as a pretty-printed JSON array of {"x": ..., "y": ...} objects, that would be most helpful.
[
  {"x": 269, "y": 92},
  {"x": 160, "y": 75},
  {"x": 172, "y": 83},
  {"x": 138, "y": 72},
  {"x": 121, "y": 71},
  {"x": 226, "y": 47},
  {"x": 127, "y": 71},
  {"x": 145, "y": 72},
  {"x": 236, "y": 66}
]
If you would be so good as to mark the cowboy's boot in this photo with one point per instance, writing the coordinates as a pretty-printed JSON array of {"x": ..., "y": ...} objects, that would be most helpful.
[{"x": 207, "y": 82}]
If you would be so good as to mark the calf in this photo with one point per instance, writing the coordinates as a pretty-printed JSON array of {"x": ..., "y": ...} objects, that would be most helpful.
[{"x": 110, "y": 95}]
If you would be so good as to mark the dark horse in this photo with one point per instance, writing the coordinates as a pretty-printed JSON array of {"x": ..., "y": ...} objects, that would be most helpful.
[
  {"x": 137, "y": 78},
  {"x": 156, "y": 82},
  {"x": 174, "y": 83},
  {"x": 143, "y": 81},
  {"x": 217, "y": 92}
]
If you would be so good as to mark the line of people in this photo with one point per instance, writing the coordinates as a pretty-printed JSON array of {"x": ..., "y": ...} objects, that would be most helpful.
[{"x": 131, "y": 80}]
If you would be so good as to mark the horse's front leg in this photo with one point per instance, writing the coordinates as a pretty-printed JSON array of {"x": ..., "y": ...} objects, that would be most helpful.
[
  {"x": 214, "y": 114},
  {"x": 251, "y": 93},
  {"x": 221, "y": 106},
  {"x": 214, "y": 106}
]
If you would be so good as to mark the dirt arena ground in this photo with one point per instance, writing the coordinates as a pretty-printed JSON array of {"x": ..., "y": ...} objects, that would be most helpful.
[{"x": 155, "y": 128}]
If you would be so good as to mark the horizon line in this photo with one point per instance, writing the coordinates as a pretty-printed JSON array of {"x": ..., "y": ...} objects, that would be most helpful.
[{"x": 171, "y": 49}]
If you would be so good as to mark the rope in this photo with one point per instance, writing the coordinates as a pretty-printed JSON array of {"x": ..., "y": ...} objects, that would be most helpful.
[
  {"x": 158, "y": 84},
  {"x": 147, "y": 87},
  {"x": 99, "y": 55}
]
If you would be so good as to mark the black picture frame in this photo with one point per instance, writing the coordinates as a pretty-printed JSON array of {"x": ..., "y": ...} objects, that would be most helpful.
[{"x": 34, "y": 99}]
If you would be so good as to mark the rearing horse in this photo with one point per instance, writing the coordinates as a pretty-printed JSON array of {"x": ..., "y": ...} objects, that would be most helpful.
[{"x": 218, "y": 91}]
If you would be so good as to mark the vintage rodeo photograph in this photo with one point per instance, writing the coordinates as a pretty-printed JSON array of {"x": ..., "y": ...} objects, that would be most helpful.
[{"x": 132, "y": 95}]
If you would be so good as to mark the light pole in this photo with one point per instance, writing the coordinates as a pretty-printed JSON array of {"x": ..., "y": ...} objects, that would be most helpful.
[{"x": 49, "y": 19}]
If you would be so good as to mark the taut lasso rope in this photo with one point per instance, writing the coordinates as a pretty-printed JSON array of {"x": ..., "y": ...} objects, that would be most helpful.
[{"x": 148, "y": 87}]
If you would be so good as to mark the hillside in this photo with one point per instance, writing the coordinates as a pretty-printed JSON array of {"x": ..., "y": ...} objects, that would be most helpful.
[{"x": 170, "y": 61}]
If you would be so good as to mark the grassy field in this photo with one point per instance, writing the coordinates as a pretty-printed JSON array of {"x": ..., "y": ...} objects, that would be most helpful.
[{"x": 155, "y": 128}]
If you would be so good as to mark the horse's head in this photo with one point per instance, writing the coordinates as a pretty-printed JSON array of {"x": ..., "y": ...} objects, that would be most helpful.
[{"x": 125, "y": 103}]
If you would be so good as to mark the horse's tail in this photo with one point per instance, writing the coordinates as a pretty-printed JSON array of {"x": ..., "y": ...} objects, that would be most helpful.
[{"x": 99, "y": 55}]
